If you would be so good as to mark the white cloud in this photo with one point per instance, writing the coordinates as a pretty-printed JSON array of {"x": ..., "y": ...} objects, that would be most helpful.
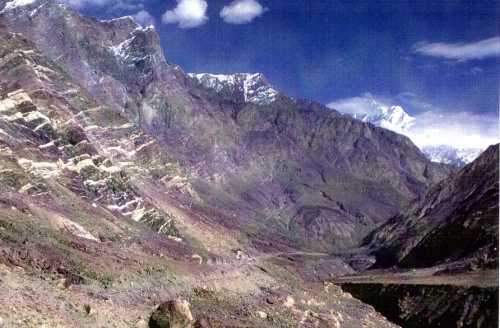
[
  {"x": 460, "y": 51},
  {"x": 187, "y": 14},
  {"x": 144, "y": 18},
  {"x": 241, "y": 11},
  {"x": 432, "y": 125},
  {"x": 460, "y": 130},
  {"x": 357, "y": 106}
]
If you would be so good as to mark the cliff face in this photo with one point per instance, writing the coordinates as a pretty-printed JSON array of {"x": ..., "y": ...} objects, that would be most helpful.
[{"x": 457, "y": 220}]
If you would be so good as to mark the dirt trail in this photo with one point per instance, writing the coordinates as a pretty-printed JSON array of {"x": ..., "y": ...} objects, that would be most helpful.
[{"x": 298, "y": 253}]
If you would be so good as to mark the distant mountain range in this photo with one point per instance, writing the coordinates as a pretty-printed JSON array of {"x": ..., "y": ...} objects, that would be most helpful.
[
  {"x": 450, "y": 155},
  {"x": 395, "y": 118}
]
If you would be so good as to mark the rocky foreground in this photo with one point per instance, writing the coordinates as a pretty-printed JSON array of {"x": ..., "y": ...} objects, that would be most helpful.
[{"x": 134, "y": 195}]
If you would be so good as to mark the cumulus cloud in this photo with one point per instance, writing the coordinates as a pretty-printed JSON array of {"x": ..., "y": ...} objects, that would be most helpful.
[
  {"x": 486, "y": 48},
  {"x": 144, "y": 18},
  {"x": 241, "y": 11},
  {"x": 187, "y": 14},
  {"x": 432, "y": 125}
]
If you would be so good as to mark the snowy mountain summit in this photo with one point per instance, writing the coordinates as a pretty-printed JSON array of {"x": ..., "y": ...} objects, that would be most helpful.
[
  {"x": 390, "y": 117},
  {"x": 395, "y": 118},
  {"x": 245, "y": 87}
]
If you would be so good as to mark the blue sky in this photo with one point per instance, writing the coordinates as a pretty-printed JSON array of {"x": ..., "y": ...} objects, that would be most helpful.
[{"x": 425, "y": 55}]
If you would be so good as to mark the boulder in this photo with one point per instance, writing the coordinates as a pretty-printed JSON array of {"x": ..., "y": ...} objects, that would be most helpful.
[{"x": 172, "y": 314}]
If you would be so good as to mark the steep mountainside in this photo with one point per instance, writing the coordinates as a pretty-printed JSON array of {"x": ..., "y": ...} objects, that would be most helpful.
[
  {"x": 456, "y": 221},
  {"x": 92, "y": 235},
  {"x": 284, "y": 171}
]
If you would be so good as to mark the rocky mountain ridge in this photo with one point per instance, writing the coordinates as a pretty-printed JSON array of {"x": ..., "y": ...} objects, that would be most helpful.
[
  {"x": 457, "y": 219},
  {"x": 245, "y": 87}
]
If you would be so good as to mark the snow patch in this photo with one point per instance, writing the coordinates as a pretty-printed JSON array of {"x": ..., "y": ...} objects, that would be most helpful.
[
  {"x": 114, "y": 20},
  {"x": 253, "y": 87},
  {"x": 13, "y": 4},
  {"x": 120, "y": 49}
]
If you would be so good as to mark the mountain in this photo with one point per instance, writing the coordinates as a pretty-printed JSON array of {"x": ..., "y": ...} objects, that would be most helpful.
[
  {"x": 456, "y": 221},
  {"x": 244, "y": 87},
  {"x": 396, "y": 119},
  {"x": 290, "y": 171}
]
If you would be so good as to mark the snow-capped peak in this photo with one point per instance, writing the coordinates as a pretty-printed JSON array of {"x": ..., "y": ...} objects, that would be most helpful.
[
  {"x": 390, "y": 117},
  {"x": 394, "y": 117},
  {"x": 252, "y": 87}
]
